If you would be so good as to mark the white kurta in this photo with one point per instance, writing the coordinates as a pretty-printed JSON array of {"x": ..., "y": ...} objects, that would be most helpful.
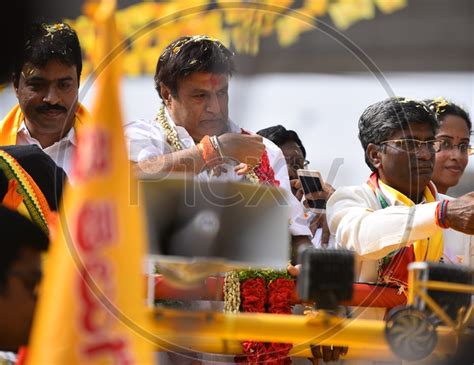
[
  {"x": 146, "y": 139},
  {"x": 359, "y": 223}
]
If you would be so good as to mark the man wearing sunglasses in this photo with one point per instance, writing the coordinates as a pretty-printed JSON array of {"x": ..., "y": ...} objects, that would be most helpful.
[
  {"x": 20, "y": 273},
  {"x": 397, "y": 216}
]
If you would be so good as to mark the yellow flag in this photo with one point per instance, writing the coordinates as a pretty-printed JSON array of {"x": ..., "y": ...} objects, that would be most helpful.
[{"x": 92, "y": 307}]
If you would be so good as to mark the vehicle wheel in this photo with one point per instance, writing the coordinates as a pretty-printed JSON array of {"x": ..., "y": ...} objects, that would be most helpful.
[{"x": 410, "y": 334}]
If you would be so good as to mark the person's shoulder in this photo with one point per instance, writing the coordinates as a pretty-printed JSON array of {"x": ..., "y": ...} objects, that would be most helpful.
[
  {"x": 141, "y": 126},
  {"x": 354, "y": 192},
  {"x": 144, "y": 123},
  {"x": 361, "y": 189},
  {"x": 269, "y": 145}
]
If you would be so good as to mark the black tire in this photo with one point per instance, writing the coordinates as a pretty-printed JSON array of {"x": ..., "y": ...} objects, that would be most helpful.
[{"x": 410, "y": 334}]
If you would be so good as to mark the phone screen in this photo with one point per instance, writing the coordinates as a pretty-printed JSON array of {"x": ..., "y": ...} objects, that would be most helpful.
[{"x": 311, "y": 184}]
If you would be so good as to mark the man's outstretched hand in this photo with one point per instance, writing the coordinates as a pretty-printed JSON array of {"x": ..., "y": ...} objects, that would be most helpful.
[{"x": 460, "y": 214}]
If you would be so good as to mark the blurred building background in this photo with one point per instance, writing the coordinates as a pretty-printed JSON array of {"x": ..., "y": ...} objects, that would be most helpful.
[{"x": 312, "y": 66}]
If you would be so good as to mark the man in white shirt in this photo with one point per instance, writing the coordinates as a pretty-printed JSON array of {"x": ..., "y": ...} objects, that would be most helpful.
[
  {"x": 46, "y": 81},
  {"x": 398, "y": 216},
  {"x": 192, "y": 132}
]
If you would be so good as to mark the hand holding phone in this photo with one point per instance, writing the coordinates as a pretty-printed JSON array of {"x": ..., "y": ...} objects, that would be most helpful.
[{"x": 312, "y": 183}]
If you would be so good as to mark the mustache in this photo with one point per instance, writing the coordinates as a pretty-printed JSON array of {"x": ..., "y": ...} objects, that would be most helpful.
[{"x": 47, "y": 107}]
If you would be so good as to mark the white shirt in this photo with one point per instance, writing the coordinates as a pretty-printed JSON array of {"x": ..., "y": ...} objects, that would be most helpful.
[
  {"x": 359, "y": 223},
  {"x": 146, "y": 139},
  {"x": 317, "y": 242},
  {"x": 61, "y": 151},
  {"x": 458, "y": 249}
]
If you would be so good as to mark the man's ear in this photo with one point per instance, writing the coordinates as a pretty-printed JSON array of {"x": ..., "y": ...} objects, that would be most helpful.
[
  {"x": 374, "y": 153},
  {"x": 165, "y": 93}
]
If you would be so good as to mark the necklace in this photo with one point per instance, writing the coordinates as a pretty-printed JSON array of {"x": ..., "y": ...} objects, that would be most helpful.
[{"x": 173, "y": 139}]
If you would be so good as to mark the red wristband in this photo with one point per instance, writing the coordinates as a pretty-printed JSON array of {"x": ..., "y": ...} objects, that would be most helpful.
[{"x": 209, "y": 153}]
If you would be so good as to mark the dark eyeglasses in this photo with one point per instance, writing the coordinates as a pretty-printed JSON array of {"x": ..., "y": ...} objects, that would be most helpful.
[
  {"x": 464, "y": 148},
  {"x": 30, "y": 279},
  {"x": 297, "y": 163},
  {"x": 412, "y": 145}
]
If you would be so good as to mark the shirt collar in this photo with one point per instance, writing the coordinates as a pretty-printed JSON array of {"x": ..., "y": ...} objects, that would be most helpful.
[
  {"x": 70, "y": 136},
  {"x": 392, "y": 200}
]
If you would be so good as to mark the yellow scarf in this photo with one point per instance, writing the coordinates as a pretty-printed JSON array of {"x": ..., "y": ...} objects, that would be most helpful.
[
  {"x": 11, "y": 123},
  {"x": 430, "y": 249}
]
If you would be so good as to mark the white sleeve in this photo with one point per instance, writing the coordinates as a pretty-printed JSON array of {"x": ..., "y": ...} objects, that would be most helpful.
[
  {"x": 144, "y": 140},
  {"x": 359, "y": 224},
  {"x": 298, "y": 224}
]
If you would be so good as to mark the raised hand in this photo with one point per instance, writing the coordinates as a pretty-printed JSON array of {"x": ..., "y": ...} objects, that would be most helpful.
[
  {"x": 243, "y": 148},
  {"x": 297, "y": 189},
  {"x": 460, "y": 214}
]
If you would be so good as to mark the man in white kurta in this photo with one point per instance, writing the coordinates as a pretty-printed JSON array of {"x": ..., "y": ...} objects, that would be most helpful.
[
  {"x": 399, "y": 207},
  {"x": 195, "y": 105},
  {"x": 362, "y": 226},
  {"x": 192, "y": 129},
  {"x": 147, "y": 140}
]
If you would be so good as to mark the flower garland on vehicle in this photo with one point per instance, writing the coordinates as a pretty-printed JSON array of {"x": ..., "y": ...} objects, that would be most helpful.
[
  {"x": 260, "y": 291},
  {"x": 262, "y": 173}
]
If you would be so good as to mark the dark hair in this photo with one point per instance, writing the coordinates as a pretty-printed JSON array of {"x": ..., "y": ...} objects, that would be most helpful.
[
  {"x": 49, "y": 177},
  {"x": 14, "y": 16},
  {"x": 45, "y": 42},
  {"x": 381, "y": 120},
  {"x": 443, "y": 108},
  {"x": 191, "y": 54},
  {"x": 17, "y": 233},
  {"x": 280, "y": 135}
]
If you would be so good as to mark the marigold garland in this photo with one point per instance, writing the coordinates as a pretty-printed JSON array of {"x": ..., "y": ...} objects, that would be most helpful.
[{"x": 262, "y": 291}]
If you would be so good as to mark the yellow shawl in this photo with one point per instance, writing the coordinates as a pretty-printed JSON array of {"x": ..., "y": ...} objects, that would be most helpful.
[
  {"x": 11, "y": 123},
  {"x": 430, "y": 249}
]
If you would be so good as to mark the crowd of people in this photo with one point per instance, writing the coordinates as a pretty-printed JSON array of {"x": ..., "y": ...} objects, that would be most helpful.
[{"x": 416, "y": 150}]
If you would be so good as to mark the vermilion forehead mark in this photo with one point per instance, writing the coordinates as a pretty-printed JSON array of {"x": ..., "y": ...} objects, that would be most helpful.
[{"x": 215, "y": 80}]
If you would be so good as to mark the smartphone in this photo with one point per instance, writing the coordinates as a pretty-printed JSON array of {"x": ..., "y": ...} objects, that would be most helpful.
[{"x": 311, "y": 181}]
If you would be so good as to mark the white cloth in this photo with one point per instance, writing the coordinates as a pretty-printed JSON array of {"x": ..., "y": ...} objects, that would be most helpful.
[
  {"x": 146, "y": 139},
  {"x": 458, "y": 249},
  {"x": 7, "y": 358},
  {"x": 61, "y": 151},
  {"x": 359, "y": 223},
  {"x": 316, "y": 240}
]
